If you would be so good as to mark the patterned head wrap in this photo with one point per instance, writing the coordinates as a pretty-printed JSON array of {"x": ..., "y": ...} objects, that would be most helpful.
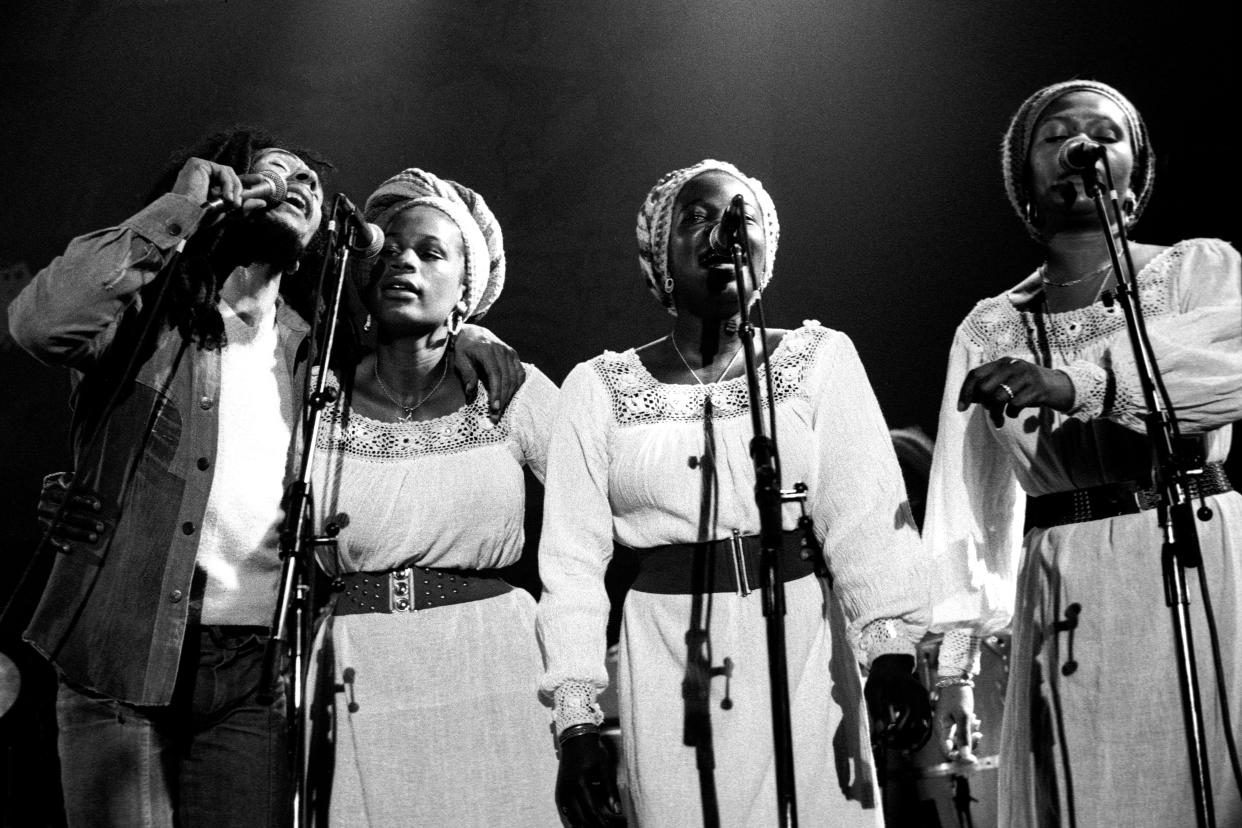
[
  {"x": 485, "y": 253},
  {"x": 656, "y": 215},
  {"x": 1016, "y": 148}
]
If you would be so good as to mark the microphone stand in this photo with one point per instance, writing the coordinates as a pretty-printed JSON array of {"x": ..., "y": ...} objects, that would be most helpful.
[
  {"x": 1174, "y": 470},
  {"x": 294, "y": 609},
  {"x": 768, "y": 498}
]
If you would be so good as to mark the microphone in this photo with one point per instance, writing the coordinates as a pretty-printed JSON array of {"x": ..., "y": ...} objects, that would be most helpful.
[
  {"x": 368, "y": 237},
  {"x": 727, "y": 231},
  {"x": 271, "y": 189},
  {"x": 1079, "y": 155}
]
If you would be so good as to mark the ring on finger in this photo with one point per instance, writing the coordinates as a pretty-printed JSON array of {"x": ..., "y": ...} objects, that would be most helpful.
[{"x": 1008, "y": 391}]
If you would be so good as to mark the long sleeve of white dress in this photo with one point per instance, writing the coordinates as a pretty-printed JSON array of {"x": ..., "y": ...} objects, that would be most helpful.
[
  {"x": 1196, "y": 335},
  {"x": 860, "y": 509},
  {"x": 975, "y": 508},
  {"x": 577, "y": 525},
  {"x": 1192, "y": 299}
]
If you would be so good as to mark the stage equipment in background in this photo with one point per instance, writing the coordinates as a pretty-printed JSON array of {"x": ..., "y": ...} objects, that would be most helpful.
[{"x": 921, "y": 789}]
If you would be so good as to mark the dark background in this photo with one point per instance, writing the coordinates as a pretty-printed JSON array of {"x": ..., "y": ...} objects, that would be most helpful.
[{"x": 874, "y": 124}]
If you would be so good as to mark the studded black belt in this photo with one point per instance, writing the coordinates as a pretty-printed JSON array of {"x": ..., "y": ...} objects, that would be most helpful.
[
  {"x": 413, "y": 588},
  {"x": 1113, "y": 499},
  {"x": 725, "y": 565}
]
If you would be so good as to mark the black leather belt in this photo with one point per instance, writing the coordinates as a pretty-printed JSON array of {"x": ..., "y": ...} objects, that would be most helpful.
[
  {"x": 725, "y": 565},
  {"x": 1113, "y": 499},
  {"x": 413, "y": 588}
]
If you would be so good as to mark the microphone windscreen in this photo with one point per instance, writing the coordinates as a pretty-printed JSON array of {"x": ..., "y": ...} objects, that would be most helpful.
[
  {"x": 1079, "y": 154},
  {"x": 715, "y": 239},
  {"x": 369, "y": 246},
  {"x": 280, "y": 189}
]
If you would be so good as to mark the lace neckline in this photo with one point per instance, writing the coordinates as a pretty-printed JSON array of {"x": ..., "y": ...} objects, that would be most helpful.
[
  {"x": 470, "y": 410},
  {"x": 380, "y": 441},
  {"x": 638, "y": 398},
  {"x": 1028, "y": 296},
  {"x": 775, "y": 357},
  {"x": 1017, "y": 321}
]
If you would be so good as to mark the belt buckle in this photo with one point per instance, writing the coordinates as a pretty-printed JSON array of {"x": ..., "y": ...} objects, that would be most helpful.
[
  {"x": 739, "y": 565},
  {"x": 400, "y": 590},
  {"x": 1145, "y": 499}
]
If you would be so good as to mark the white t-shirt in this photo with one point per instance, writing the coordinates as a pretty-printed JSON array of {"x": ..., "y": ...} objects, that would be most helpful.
[{"x": 239, "y": 545}]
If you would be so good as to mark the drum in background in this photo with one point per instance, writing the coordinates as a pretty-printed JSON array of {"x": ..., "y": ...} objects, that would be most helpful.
[{"x": 922, "y": 789}]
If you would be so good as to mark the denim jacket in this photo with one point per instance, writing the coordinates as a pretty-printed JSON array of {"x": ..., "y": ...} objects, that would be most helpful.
[{"x": 113, "y": 616}]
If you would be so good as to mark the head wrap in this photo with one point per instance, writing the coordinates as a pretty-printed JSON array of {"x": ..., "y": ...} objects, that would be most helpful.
[
  {"x": 656, "y": 215},
  {"x": 1016, "y": 148},
  {"x": 484, "y": 244}
]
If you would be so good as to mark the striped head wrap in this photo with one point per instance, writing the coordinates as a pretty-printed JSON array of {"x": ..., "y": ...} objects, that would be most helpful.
[
  {"x": 484, "y": 244},
  {"x": 656, "y": 215},
  {"x": 1016, "y": 147}
]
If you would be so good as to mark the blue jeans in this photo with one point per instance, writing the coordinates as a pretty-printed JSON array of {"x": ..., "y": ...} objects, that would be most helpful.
[{"x": 216, "y": 756}]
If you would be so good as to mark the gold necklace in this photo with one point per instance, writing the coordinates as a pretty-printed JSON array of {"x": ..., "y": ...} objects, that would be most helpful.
[
  {"x": 719, "y": 376},
  {"x": 407, "y": 411},
  {"x": 1043, "y": 276}
]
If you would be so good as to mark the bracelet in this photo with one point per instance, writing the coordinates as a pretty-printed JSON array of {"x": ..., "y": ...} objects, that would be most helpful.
[
  {"x": 954, "y": 681},
  {"x": 576, "y": 730}
]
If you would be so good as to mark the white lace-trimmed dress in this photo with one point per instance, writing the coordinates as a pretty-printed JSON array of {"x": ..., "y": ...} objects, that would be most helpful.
[
  {"x": 622, "y": 466},
  {"x": 449, "y": 728},
  {"x": 1117, "y": 715}
]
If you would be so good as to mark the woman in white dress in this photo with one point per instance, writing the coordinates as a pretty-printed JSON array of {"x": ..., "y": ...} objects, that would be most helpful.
[
  {"x": 650, "y": 449},
  {"x": 1042, "y": 407},
  {"x": 435, "y": 659}
]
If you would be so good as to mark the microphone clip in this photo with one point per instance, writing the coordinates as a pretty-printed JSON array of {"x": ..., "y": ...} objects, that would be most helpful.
[
  {"x": 360, "y": 236},
  {"x": 730, "y": 231}
]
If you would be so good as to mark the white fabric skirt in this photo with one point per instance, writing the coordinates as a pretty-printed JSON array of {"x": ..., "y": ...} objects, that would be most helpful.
[
  {"x": 835, "y": 778},
  {"x": 449, "y": 729},
  {"x": 1093, "y": 722}
]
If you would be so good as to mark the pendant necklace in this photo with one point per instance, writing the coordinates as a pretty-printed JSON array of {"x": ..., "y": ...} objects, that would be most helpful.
[
  {"x": 1043, "y": 276},
  {"x": 407, "y": 411},
  {"x": 719, "y": 376}
]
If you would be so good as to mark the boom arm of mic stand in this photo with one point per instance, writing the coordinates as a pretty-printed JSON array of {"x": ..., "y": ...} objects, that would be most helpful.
[
  {"x": 1181, "y": 540},
  {"x": 294, "y": 598},
  {"x": 1173, "y": 470},
  {"x": 763, "y": 454}
]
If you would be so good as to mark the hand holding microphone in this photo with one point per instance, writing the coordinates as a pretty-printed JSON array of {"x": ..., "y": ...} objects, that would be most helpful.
[
  {"x": 262, "y": 189},
  {"x": 199, "y": 179}
]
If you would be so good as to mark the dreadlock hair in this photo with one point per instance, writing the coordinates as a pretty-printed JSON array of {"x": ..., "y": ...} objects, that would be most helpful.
[{"x": 209, "y": 256}]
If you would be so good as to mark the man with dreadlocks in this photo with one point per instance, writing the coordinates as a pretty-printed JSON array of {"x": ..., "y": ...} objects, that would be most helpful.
[{"x": 187, "y": 359}]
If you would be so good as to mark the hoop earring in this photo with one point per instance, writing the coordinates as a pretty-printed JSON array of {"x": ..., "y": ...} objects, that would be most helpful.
[
  {"x": 668, "y": 284},
  {"x": 1031, "y": 212},
  {"x": 1129, "y": 205},
  {"x": 457, "y": 318},
  {"x": 366, "y": 326}
]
